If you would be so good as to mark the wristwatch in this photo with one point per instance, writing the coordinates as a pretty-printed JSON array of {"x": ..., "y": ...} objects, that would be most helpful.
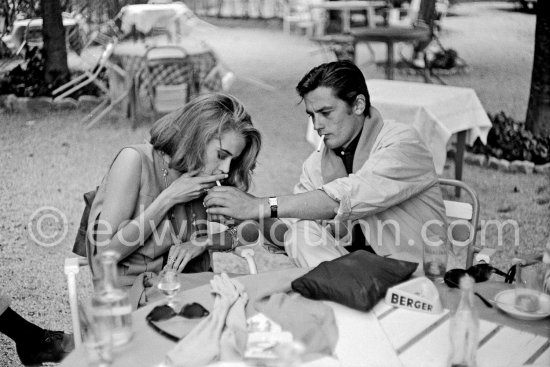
[{"x": 273, "y": 205}]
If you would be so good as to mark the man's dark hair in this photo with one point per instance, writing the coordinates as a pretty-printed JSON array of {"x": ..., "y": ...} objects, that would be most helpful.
[{"x": 345, "y": 79}]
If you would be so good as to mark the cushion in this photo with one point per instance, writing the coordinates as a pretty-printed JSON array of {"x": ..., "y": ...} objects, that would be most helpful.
[{"x": 358, "y": 280}]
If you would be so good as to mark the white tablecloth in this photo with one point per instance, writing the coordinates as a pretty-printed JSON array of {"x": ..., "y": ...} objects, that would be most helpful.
[
  {"x": 436, "y": 111},
  {"x": 176, "y": 17}
]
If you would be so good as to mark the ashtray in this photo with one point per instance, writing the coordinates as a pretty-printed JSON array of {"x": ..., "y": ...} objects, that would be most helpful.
[{"x": 505, "y": 300}]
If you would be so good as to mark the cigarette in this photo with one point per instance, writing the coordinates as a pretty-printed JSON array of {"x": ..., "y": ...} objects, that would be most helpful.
[
  {"x": 321, "y": 143},
  {"x": 218, "y": 183}
]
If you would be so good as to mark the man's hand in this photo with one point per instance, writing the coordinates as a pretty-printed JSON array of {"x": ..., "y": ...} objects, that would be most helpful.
[{"x": 232, "y": 202}]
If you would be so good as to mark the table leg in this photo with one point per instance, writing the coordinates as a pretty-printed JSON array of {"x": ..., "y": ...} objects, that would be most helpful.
[
  {"x": 133, "y": 102},
  {"x": 346, "y": 21},
  {"x": 371, "y": 17},
  {"x": 389, "y": 61},
  {"x": 459, "y": 157}
]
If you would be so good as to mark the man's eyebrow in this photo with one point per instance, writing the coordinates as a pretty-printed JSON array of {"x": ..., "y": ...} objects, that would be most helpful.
[{"x": 321, "y": 109}]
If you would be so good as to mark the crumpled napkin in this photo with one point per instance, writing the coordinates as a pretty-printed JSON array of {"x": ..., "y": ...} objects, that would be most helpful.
[{"x": 220, "y": 334}]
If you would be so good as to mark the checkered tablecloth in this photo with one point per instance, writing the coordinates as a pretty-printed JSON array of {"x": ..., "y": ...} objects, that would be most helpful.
[
  {"x": 175, "y": 72},
  {"x": 200, "y": 58}
]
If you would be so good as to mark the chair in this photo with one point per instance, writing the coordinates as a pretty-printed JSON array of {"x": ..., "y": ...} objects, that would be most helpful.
[
  {"x": 420, "y": 33},
  {"x": 299, "y": 13},
  {"x": 463, "y": 217},
  {"x": 404, "y": 16},
  {"x": 89, "y": 76},
  {"x": 167, "y": 77}
]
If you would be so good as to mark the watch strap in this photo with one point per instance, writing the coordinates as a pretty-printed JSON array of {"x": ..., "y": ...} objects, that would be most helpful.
[{"x": 273, "y": 206}]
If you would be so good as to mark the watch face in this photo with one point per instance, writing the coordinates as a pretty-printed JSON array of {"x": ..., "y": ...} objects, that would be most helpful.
[{"x": 272, "y": 201}]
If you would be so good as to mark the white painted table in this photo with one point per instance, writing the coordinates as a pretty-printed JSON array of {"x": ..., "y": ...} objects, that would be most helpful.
[
  {"x": 177, "y": 18},
  {"x": 386, "y": 336},
  {"x": 345, "y": 7}
]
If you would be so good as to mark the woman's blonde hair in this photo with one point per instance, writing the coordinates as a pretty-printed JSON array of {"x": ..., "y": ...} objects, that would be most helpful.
[{"x": 184, "y": 134}]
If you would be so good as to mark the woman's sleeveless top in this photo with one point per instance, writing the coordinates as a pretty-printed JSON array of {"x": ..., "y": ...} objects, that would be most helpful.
[{"x": 150, "y": 254}]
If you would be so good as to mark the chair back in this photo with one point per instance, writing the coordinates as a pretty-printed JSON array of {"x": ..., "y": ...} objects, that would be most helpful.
[
  {"x": 107, "y": 53},
  {"x": 168, "y": 77},
  {"x": 463, "y": 218}
]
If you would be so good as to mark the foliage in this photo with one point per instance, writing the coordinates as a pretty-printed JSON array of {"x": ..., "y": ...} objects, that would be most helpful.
[
  {"x": 27, "y": 79},
  {"x": 510, "y": 140}
]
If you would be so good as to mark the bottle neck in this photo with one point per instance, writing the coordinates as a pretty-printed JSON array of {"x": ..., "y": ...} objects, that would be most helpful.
[{"x": 109, "y": 281}]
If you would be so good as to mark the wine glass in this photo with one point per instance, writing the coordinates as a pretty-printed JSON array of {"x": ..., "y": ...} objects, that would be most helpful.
[{"x": 169, "y": 286}]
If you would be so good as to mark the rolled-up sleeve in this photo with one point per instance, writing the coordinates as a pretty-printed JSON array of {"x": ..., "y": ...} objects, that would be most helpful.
[{"x": 399, "y": 168}]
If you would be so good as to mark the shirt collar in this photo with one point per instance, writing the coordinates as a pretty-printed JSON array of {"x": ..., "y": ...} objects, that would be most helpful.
[{"x": 350, "y": 149}]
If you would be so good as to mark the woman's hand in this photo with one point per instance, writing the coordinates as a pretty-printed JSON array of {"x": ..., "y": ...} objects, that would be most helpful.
[
  {"x": 189, "y": 186},
  {"x": 180, "y": 254}
]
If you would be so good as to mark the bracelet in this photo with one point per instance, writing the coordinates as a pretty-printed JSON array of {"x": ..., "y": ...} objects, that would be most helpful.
[{"x": 234, "y": 238}]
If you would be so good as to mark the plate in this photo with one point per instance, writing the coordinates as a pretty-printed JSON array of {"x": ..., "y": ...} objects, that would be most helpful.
[{"x": 505, "y": 301}]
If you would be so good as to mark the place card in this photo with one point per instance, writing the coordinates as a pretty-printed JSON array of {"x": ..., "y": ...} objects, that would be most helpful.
[{"x": 418, "y": 294}]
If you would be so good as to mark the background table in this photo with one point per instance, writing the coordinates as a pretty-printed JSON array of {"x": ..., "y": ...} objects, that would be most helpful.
[
  {"x": 345, "y": 7},
  {"x": 129, "y": 56},
  {"x": 176, "y": 18},
  {"x": 437, "y": 112}
]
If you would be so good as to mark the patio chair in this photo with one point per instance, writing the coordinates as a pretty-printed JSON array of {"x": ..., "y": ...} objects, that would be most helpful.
[
  {"x": 89, "y": 76},
  {"x": 463, "y": 217},
  {"x": 167, "y": 77},
  {"x": 299, "y": 13}
]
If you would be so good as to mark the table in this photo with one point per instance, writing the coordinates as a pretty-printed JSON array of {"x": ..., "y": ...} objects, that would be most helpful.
[
  {"x": 391, "y": 35},
  {"x": 129, "y": 56},
  {"x": 399, "y": 337},
  {"x": 503, "y": 340},
  {"x": 347, "y": 6},
  {"x": 436, "y": 111},
  {"x": 177, "y": 18}
]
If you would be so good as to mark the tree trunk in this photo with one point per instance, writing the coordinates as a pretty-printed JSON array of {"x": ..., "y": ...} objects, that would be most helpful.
[
  {"x": 538, "y": 110},
  {"x": 57, "y": 71}
]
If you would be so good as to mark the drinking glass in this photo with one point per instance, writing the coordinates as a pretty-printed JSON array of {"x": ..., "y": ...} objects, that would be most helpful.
[
  {"x": 169, "y": 286},
  {"x": 435, "y": 257},
  {"x": 529, "y": 286}
]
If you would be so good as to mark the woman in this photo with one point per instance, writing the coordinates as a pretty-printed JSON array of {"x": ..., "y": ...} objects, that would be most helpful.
[{"x": 149, "y": 206}]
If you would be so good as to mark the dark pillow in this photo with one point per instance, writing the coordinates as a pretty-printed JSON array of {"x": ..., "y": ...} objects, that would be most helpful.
[{"x": 358, "y": 280}]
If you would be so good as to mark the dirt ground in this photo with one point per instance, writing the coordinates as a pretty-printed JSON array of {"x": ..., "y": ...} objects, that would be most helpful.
[{"x": 48, "y": 160}]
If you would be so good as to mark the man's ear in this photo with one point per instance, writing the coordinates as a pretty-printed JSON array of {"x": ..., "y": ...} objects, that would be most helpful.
[{"x": 359, "y": 105}]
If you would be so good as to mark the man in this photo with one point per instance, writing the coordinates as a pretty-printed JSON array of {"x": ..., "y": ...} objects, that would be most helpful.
[
  {"x": 34, "y": 345},
  {"x": 374, "y": 180}
]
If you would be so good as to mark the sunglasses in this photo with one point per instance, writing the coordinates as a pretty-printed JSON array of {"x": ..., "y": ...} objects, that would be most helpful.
[
  {"x": 480, "y": 273},
  {"x": 164, "y": 312}
]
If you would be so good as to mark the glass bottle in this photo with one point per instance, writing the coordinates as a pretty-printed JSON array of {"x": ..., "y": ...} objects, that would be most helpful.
[
  {"x": 464, "y": 327},
  {"x": 111, "y": 304}
]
